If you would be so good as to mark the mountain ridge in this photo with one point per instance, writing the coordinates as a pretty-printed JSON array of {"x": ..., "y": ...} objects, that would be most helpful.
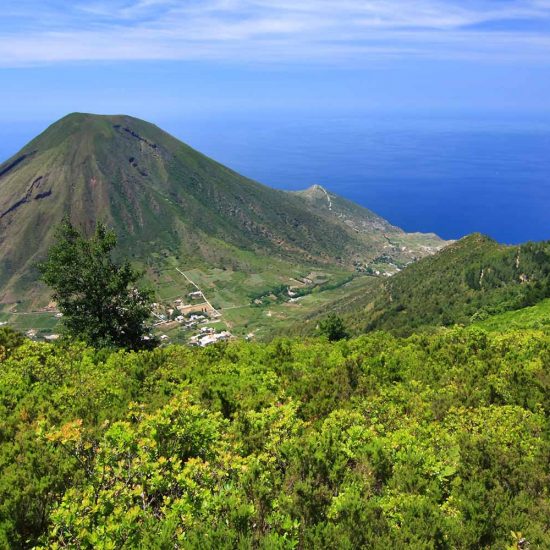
[{"x": 158, "y": 194}]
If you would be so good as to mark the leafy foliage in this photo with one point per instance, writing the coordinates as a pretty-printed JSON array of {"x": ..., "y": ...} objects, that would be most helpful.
[
  {"x": 431, "y": 441},
  {"x": 9, "y": 340},
  {"x": 537, "y": 316},
  {"x": 333, "y": 328},
  {"x": 98, "y": 298}
]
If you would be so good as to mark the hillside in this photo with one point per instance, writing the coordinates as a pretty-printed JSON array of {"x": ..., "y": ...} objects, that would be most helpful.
[
  {"x": 530, "y": 317},
  {"x": 165, "y": 199},
  {"x": 467, "y": 282},
  {"x": 390, "y": 248}
]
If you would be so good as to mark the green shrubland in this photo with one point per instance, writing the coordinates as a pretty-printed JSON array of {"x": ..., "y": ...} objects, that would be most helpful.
[{"x": 430, "y": 441}]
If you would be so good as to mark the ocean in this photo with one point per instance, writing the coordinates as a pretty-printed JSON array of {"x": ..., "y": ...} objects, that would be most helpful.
[{"x": 451, "y": 175}]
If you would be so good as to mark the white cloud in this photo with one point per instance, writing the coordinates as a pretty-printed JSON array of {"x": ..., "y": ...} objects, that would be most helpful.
[{"x": 267, "y": 30}]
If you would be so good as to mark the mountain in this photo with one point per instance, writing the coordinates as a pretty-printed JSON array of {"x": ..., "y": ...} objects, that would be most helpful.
[
  {"x": 358, "y": 218},
  {"x": 387, "y": 244},
  {"x": 165, "y": 199},
  {"x": 469, "y": 281}
]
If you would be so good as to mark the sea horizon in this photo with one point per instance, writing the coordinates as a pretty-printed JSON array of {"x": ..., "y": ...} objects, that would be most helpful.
[{"x": 447, "y": 173}]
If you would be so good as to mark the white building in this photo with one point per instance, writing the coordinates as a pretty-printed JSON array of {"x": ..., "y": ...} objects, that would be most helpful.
[{"x": 213, "y": 338}]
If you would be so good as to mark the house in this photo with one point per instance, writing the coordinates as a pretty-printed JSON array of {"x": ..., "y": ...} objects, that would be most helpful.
[
  {"x": 195, "y": 295},
  {"x": 212, "y": 338},
  {"x": 207, "y": 340},
  {"x": 194, "y": 341}
]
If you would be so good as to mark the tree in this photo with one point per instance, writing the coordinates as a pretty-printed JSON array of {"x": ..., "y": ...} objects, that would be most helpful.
[
  {"x": 9, "y": 340},
  {"x": 100, "y": 302},
  {"x": 333, "y": 328}
]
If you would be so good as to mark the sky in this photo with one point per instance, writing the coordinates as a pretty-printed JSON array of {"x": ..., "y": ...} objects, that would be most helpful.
[{"x": 174, "y": 58}]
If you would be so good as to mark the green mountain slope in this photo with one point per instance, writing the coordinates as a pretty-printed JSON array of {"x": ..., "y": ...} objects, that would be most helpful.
[
  {"x": 467, "y": 282},
  {"x": 163, "y": 198},
  {"x": 531, "y": 317},
  {"x": 389, "y": 246}
]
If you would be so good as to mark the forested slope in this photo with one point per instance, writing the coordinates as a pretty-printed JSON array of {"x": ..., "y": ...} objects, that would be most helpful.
[{"x": 465, "y": 283}]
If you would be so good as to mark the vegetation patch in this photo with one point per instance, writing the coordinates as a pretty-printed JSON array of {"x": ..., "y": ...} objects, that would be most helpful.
[{"x": 430, "y": 441}]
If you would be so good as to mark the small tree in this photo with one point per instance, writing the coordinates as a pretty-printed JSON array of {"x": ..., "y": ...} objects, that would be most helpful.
[
  {"x": 9, "y": 340},
  {"x": 98, "y": 298},
  {"x": 333, "y": 328}
]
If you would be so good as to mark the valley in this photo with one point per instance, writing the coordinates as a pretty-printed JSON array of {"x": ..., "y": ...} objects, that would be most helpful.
[
  {"x": 261, "y": 256},
  {"x": 251, "y": 306}
]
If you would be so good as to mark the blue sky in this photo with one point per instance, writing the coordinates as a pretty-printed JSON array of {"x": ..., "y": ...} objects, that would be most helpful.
[{"x": 163, "y": 58}]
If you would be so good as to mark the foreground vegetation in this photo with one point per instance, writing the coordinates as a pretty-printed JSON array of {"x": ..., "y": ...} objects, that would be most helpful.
[{"x": 433, "y": 441}]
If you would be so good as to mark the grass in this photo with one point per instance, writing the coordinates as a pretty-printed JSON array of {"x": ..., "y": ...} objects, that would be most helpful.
[
  {"x": 537, "y": 316},
  {"x": 277, "y": 318},
  {"x": 44, "y": 323}
]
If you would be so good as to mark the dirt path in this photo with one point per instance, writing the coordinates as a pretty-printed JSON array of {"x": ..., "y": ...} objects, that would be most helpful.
[{"x": 202, "y": 293}]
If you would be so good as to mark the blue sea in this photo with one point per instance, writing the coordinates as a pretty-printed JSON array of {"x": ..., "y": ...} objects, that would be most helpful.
[{"x": 452, "y": 175}]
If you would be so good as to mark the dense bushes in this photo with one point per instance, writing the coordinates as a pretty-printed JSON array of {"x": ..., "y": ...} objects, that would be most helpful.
[{"x": 435, "y": 441}]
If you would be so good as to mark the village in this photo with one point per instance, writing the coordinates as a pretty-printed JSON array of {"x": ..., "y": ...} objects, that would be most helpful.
[
  {"x": 195, "y": 321},
  {"x": 192, "y": 317},
  {"x": 186, "y": 315}
]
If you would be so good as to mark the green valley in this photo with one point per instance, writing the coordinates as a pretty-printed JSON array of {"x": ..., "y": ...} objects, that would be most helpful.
[{"x": 249, "y": 247}]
